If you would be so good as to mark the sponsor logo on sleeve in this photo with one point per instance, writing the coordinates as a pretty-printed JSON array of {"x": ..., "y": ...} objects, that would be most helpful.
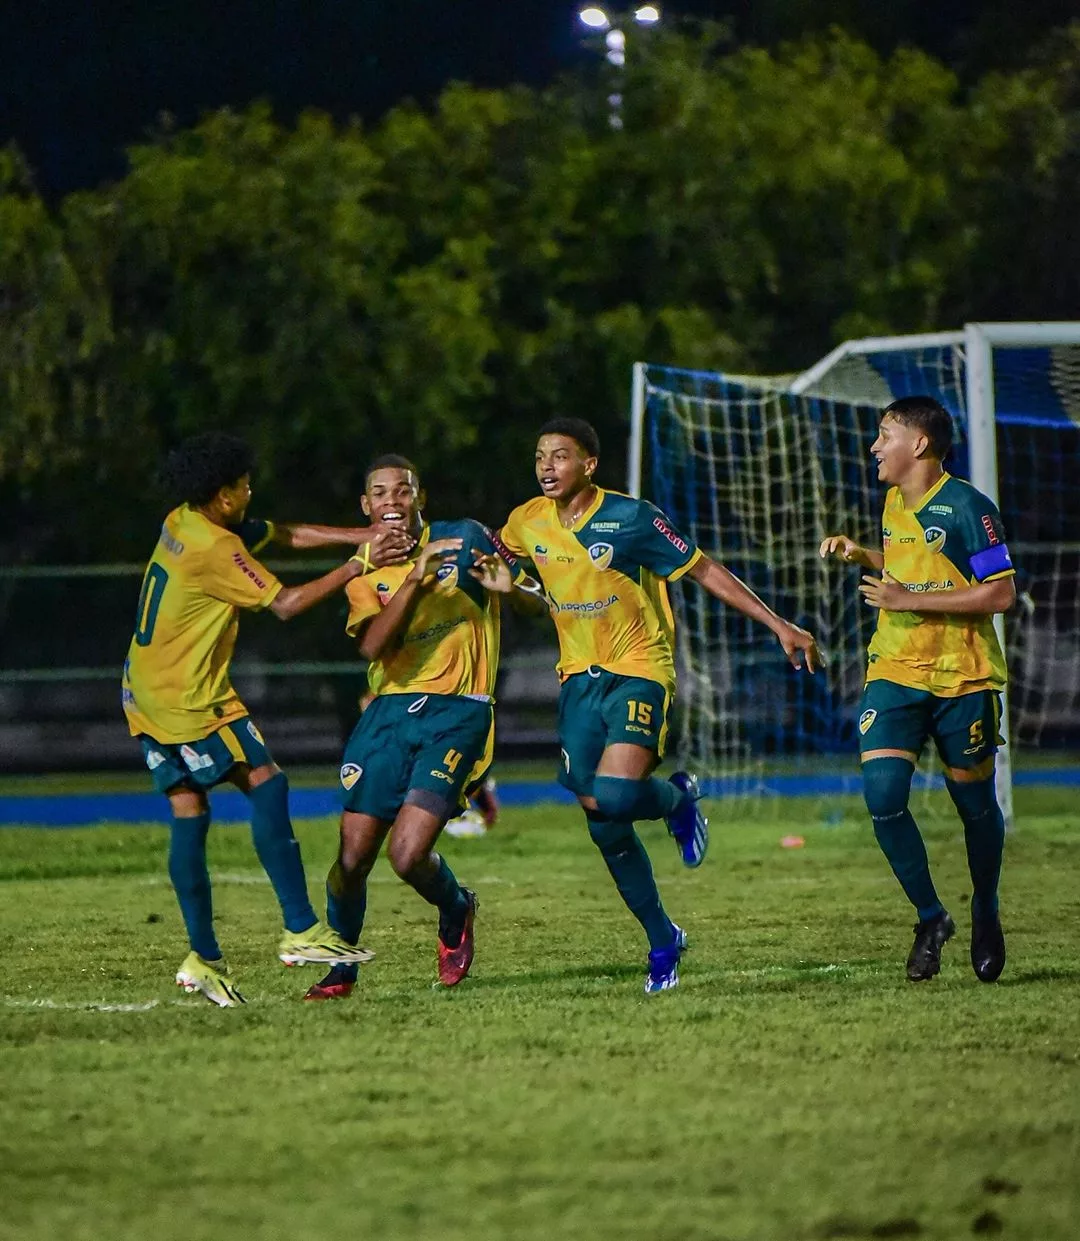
[
  {"x": 350, "y": 773},
  {"x": 600, "y": 554},
  {"x": 246, "y": 569},
  {"x": 501, "y": 548},
  {"x": 678, "y": 543},
  {"x": 866, "y": 721},
  {"x": 988, "y": 526},
  {"x": 935, "y": 538}
]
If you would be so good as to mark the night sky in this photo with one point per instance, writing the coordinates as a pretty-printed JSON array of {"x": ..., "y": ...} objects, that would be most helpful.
[{"x": 81, "y": 79}]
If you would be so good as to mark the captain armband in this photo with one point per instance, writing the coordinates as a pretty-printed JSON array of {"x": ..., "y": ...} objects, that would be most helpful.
[{"x": 990, "y": 562}]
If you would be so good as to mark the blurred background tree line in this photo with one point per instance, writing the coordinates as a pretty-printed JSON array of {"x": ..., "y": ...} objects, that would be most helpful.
[{"x": 442, "y": 281}]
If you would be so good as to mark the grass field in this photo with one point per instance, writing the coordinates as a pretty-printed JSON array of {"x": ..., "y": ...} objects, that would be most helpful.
[{"x": 795, "y": 1087}]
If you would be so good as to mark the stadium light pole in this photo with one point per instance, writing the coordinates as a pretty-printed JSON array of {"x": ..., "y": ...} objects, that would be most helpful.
[{"x": 612, "y": 24}]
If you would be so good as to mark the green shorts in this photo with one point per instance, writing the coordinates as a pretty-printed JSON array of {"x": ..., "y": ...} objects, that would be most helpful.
[
  {"x": 202, "y": 764},
  {"x": 964, "y": 729},
  {"x": 422, "y": 750},
  {"x": 599, "y": 708}
]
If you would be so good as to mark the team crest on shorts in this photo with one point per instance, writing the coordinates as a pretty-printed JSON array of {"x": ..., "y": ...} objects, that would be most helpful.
[
  {"x": 866, "y": 721},
  {"x": 255, "y": 733},
  {"x": 600, "y": 554},
  {"x": 350, "y": 773}
]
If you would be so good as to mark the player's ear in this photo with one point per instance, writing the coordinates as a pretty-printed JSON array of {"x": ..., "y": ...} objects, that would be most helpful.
[
  {"x": 365, "y": 506},
  {"x": 421, "y": 499},
  {"x": 590, "y": 465},
  {"x": 921, "y": 445}
]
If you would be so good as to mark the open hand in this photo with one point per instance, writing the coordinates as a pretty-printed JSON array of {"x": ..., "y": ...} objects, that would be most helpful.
[
  {"x": 492, "y": 572},
  {"x": 843, "y": 548},
  {"x": 387, "y": 544},
  {"x": 886, "y": 593},
  {"x": 432, "y": 556}
]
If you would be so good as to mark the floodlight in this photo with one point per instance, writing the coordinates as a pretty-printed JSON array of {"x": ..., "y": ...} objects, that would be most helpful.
[
  {"x": 647, "y": 15},
  {"x": 595, "y": 18}
]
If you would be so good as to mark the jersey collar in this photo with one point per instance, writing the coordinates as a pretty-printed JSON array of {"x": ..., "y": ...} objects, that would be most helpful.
[
  {"x": 587, "y": 515},
  {"x": 945, "y": 477}
]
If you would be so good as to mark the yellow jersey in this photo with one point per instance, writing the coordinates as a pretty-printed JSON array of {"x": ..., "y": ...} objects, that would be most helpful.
[
  {"x": 176, "y": 684},
  {"x": 450, "y": 642},
  {"x": 951, "y": 539},
  {"x": 606, "y": 580}
]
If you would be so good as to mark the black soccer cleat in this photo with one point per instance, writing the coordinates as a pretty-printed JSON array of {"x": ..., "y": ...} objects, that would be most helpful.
[
  {"x": 924, "y": 961},
  {"x": 987, "y": 948}
]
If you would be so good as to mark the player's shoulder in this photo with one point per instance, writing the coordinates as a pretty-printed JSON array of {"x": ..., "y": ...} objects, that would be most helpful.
[
  {"x": 539, "y": 508},
  {"x": 461, "y": 528},
  {"x": 963, "y": 498}
]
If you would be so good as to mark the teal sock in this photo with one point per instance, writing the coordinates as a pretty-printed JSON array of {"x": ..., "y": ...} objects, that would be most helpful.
[
  {"x": 191, "y": 882},
  {"x": 984, "y": 835},
  {"x": 629, "y": 866},
  {"x": 626, "y": 801},
  {"x": 439, "y": 887},
  {"x": 346, "y": 906},
  {"x": 886, "y": 788},
  {"x": 279, "y": 851}
]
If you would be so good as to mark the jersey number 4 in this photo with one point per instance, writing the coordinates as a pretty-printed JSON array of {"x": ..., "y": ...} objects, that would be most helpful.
[{"x": 149, "y": 601}]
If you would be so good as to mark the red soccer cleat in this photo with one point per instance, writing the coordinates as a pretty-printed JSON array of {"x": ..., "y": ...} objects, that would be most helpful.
[
  {"x": 454, "y": 963},
  {"x": 337, "y": 985}
]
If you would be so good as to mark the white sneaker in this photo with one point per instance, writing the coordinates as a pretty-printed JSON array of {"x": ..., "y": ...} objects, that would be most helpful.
[{"x": 471, "y": 823}]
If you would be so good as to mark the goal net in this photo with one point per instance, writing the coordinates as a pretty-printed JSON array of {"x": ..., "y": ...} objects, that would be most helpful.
[{"x": 759, "y": 470}]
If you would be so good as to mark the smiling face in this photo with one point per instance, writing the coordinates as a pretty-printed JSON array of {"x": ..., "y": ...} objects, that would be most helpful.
[
  {"x": 898, "y": 449},
  {"x": 393, "y": 496},
  {"x": 563, "y": 467}
]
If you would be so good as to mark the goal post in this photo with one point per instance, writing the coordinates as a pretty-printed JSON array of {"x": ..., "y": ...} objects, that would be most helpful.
[{"x": 757, "y": 468}]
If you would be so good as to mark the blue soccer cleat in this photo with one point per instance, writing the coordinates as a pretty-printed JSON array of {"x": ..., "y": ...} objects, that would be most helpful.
[
  {"x": 687, "y": 824},
  {"x": 663, "y": 972}
]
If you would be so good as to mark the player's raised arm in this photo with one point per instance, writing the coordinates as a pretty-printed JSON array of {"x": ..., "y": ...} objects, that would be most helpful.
[
  {"x": 850, "y": 552},
  {"x": 798, "y": 644},
  {"x": 292, "y": 600},
  {"x": 378, "y": 545}
]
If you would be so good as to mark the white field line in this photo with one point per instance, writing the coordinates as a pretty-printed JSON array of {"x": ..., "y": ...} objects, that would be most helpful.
[{"x": 192, "y": 1003}]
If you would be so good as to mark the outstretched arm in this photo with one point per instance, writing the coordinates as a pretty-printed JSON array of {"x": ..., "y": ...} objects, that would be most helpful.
[
  {"x": 292, "y": 600},
  {"x": 722, "y": 584},
  {"x": 377, "y": 545},
  {"x": 494, "y": 574}
]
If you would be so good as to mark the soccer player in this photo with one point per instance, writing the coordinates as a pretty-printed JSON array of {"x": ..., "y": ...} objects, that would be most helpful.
[
  {"x": 480, "y": 815},
  {"x": 430, "y": 632},
  {"x": 604, "y": 561},
  {"x": 194, "y": 730},
  {"x": 936, "y": 670}
]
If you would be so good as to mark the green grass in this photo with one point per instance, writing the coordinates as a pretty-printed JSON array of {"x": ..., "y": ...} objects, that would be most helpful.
[{"x": 795, "y": 1087}]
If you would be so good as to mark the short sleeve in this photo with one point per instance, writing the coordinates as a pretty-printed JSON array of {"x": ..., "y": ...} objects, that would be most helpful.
[
  {"x": 255, "y": 533},
  {"x": 984, "y": 541},
  {"x": 510, "y": 540},
  {"x": 660, "y": 547},
  {"x": 231, "y": 575},
  {"x": 364, "y": 603}
]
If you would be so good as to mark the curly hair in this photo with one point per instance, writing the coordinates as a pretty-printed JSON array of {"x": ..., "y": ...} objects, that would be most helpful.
[
  {"x": 577, "y": 429},
  {"x": 197, "y": 470}
]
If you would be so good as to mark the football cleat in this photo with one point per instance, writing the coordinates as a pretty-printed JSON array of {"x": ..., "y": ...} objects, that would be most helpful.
[
  {"x": 337, "y": 985},
  {"x": 987, "y": 948},
  {"x": 455, "y": 962},
  {"x": 211, "y": 980},
  {"x": 686, "y": 823},
  {"x": 924, "y": 960},
  {"x": 320, "y": 945},
  {"x": 663, "y": 972},
  {"x": 467, "y": 825}
]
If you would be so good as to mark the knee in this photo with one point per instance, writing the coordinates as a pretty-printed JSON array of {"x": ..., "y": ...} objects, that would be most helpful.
[
  {"x": 355, "y": 856},
  {"x": 617, "y": 797},
  {"x": 404, "y": 856},
  {"x": 974, "y": 799},
  {"x": 609, "y": 836},
  {"x": 886, "y": 787}
]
